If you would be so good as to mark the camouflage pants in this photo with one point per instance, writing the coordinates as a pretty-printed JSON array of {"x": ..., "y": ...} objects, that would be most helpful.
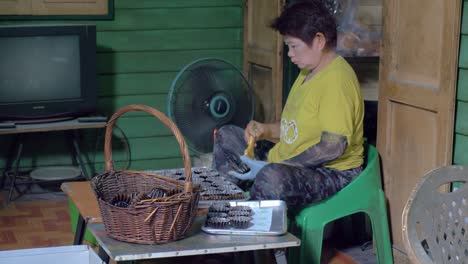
[{"x": 295, "y": 185}]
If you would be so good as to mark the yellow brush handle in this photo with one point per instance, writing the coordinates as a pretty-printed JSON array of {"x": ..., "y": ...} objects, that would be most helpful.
[{"x": 249, "y": 151}]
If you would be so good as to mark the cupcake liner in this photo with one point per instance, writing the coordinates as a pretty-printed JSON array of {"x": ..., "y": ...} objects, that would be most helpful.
[
  {"x": 121, "y": 200},
  {"x": 217, "y": 222},
  {"x": 241, "y": 208},
  {"x": 219, "y": 207},
  {"x": 216, "y": 214},
  {"x": 139, "y": 197},
  {"x": 240, "y": 222},
  {"x": 234, "y": 213},
  {"x": 157, "y": 193}
]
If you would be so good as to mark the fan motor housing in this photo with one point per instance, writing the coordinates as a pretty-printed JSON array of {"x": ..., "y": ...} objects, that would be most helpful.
[{"x": 219, "y": 106}]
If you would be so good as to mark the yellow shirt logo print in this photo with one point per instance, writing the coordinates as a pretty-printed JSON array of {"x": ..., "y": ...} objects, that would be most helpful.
[{"x": 289, "y": 131}]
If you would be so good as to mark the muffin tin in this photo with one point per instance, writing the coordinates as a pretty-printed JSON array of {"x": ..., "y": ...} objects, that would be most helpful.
[{"x": 214, "y": 186}]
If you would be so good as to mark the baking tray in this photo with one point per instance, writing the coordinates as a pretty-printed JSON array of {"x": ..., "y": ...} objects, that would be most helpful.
[
  {"x": 200, "y": 174},
  {"x": 269, "y": 218}
]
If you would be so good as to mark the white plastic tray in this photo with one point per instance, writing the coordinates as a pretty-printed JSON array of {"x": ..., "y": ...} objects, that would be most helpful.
[{"x": 55, "y": 173}]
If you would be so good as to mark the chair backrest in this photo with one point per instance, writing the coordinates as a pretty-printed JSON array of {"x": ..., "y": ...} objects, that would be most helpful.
[
  {"x": 370, "y": 176},
  {"x": 435, "y": 223}
]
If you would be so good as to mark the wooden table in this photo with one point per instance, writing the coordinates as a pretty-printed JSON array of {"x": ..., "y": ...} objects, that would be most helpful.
[
  {"x": 82, "y": 196},
  {"x": 197, "y": 242}
]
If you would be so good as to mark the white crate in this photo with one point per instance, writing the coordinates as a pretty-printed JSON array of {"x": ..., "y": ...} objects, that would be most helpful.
[{"x": 82, "y": 254}]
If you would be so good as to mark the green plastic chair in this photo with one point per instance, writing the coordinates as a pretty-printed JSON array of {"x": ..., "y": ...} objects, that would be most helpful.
[{"x": 363, "y": 194}]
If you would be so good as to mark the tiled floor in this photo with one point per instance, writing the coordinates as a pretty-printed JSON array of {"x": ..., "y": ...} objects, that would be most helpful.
[
  {"x": 33, "y": 221},
  {"x": 42, "y": 220}
]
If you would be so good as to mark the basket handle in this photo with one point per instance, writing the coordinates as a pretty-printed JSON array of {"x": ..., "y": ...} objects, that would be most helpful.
[{"x": 162, "y": 117}]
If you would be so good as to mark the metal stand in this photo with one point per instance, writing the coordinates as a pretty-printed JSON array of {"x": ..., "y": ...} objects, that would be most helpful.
[
  {"x": 71, "y": 130},
  {"x": 74, "y": 137},
  {"x": 15, "y": 162}
]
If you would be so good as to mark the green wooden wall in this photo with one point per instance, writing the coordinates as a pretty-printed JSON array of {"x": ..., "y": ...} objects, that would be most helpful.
[
  {"x": 460, "y": 155},
  {"x": 140, "y": 52}
]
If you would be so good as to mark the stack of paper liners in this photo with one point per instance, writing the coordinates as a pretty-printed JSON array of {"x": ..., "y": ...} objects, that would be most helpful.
[{"x": 249, "y": 151}]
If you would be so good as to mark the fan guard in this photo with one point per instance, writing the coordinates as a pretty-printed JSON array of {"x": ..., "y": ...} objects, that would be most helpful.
[{"x": 207, "y": 94}]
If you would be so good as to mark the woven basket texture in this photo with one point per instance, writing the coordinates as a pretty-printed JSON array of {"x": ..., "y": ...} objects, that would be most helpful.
[{"x": 151, "y": 220}]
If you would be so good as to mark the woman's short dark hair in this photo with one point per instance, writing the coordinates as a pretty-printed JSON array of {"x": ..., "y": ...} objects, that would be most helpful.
[{"x": 304, "y": 19}]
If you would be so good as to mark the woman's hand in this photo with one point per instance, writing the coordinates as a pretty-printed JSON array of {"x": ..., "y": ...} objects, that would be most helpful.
[
  {"x": 262, "y": 131},
  {"x": 254, "y": 129},
  {"x": 254, "y": 165}
]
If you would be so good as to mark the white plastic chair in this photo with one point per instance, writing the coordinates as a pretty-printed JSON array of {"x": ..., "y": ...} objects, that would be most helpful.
[{"x": 435, "y": 223}]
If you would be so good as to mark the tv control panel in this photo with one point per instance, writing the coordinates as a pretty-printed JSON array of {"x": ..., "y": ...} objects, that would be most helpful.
[
  {"x": 4, "y": 125},
  {"x": 92, "y": 119}
]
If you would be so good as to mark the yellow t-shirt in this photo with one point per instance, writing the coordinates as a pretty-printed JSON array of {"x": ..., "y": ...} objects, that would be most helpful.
[{"x": 330, "y": 101}]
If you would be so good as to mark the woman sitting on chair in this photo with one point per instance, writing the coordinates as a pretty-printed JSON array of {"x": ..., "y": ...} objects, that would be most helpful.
[{"x": 318, "y": 146}]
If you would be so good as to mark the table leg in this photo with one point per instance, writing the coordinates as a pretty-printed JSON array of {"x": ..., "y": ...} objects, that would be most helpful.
[
  {"x": 80, "y": 230},
  {"x": 103, "y": 255},
  {"x": 243, "y": 257},
  {"x": 280, "y": 256}
]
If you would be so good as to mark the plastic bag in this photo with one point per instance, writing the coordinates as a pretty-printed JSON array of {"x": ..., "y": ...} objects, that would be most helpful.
[{"x": 355, "y": 37}]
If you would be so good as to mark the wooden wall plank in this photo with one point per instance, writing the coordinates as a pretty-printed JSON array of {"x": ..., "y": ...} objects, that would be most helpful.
[
  {"x": 173, "y": 3},
  {"x": 166, "y": 18},
  {"x": 133, "y": 127},
  {"x": 461, "y": 123},
  {"x": 108, "y": 105},
  {"x": 462, "y": 86},
  {"x": 128, "y": 62},
  {"x": 460, "y": 146},
  {"x": 145, "y": 40},
  {"x": 463, "y": 57},
  {"x": 464, "y": 25},
  {"x": 460, "y": 156},
  {"x": 173, "y": 18},
  {"x": 135, "y": 83},
  {"x": 144, "y": 126},
  {"x": 143, "y": 148}
]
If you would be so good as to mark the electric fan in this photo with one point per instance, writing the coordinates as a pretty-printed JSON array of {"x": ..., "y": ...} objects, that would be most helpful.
[{"x": 205, "y": 95}]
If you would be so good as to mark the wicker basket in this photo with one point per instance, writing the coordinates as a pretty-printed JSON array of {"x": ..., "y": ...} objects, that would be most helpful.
[{"x": 152, "y": 220}]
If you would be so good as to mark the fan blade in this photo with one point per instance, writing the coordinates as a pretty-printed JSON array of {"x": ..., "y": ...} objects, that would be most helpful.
[{"x": 200, "y": 132}]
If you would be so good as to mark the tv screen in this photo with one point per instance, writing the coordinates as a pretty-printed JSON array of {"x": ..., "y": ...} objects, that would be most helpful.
[{"x": 47, "y": 72}]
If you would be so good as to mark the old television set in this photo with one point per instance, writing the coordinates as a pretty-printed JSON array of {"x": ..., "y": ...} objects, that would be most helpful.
[{"x": 47, "y": 72}]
